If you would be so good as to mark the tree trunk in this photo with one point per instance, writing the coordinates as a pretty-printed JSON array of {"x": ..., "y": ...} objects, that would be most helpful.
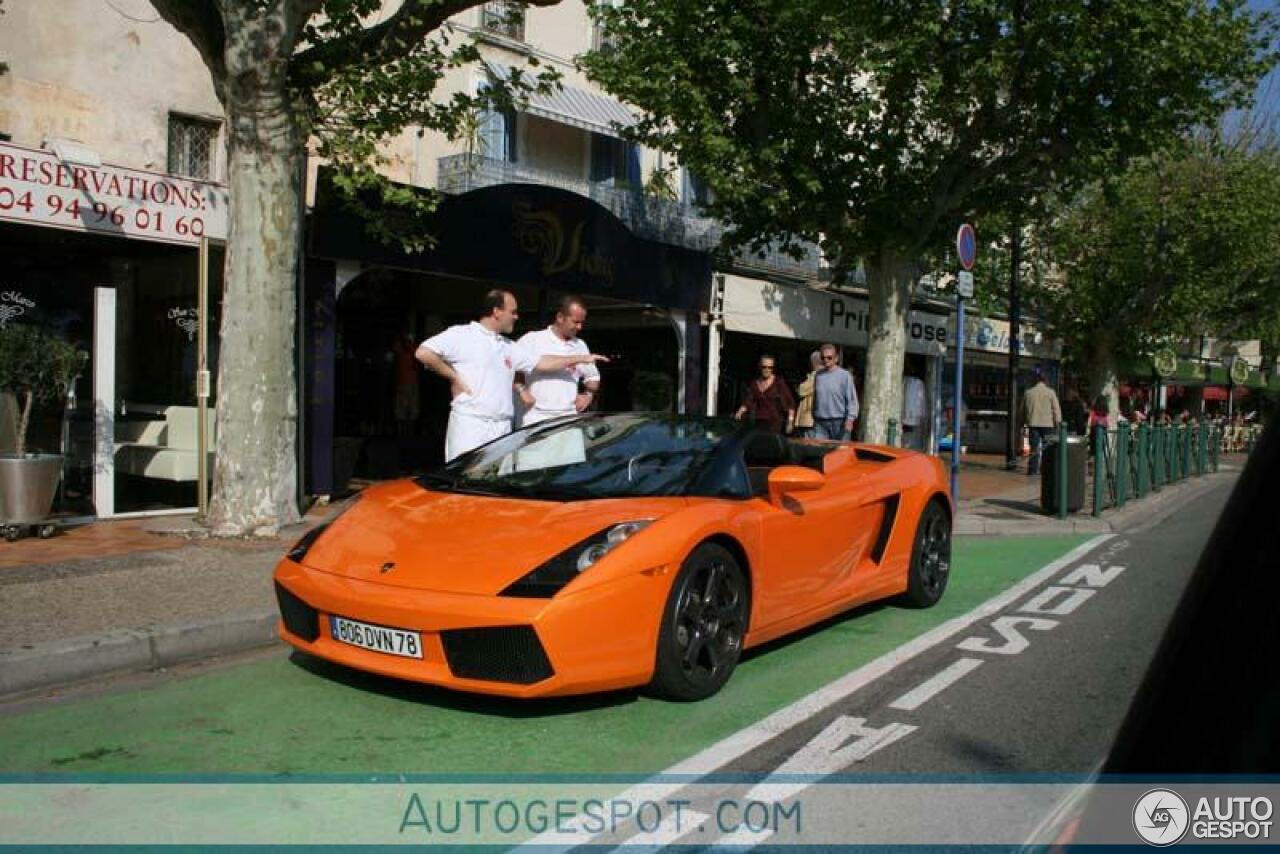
[
  {"x": 1101, "y": 372},
  {"x": 255, "y": 477},
  {"x": 24, "y": 420},
  {"x": 891, "y": 279}
]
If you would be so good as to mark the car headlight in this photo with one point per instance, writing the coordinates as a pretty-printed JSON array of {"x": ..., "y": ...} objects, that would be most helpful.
[
  {"x": 307, "y": 540},
  {"x": 547, "y": 580}
]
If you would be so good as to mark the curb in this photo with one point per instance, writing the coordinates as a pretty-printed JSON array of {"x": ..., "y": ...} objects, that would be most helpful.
[
  {"x": 61, "y": 662},
  {"x": 1152, "y": 510}
]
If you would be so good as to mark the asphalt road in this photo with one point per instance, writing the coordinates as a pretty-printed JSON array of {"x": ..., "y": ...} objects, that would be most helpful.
[{"x": 1040, "y": 687}]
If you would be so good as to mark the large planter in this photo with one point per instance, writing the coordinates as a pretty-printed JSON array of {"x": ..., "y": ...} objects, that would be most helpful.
[{"x": 27, "y": 487}]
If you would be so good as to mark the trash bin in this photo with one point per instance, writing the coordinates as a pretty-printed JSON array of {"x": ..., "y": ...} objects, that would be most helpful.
[{"x": 1077, "y": 454}]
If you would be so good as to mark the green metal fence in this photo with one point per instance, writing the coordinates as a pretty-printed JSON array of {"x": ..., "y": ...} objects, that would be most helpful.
[{"x": 1133, "y": 462}]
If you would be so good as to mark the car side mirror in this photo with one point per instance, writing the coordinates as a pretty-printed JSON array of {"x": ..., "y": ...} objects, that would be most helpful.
[{"x": 787, "y": 479}]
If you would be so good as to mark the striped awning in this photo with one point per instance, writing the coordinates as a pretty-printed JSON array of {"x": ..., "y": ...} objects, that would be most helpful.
[{"x": 571, "y": 106}]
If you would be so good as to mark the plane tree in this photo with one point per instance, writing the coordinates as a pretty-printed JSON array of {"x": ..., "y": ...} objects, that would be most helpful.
[
  {"x": 876, "y": 127},
  {"x": 331, "y": 79}
]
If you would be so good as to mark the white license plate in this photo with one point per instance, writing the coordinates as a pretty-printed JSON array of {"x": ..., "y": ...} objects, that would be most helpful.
[{"x": 377, "y": 638}]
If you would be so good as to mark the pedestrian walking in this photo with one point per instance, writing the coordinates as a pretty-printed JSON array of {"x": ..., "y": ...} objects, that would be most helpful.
[
  {"x": 768, "y": 400},
  {"x": 1041, "y": 413},
  {"x": 835, "y": 404},
  {"x": 804, "y": 397},
  {"x": 406, "y": 394},
  {"x": 480, "y": 363},
  {"x": 552, "y": 394}
]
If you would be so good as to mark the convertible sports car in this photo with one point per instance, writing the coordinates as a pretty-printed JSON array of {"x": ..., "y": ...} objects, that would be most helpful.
[{"x": 606, "y": 551}]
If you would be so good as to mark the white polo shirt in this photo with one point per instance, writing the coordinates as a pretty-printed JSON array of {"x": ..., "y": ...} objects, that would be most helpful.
[
  {"x": 487, "y": 363},
  {"x": 554, "y": 391}
]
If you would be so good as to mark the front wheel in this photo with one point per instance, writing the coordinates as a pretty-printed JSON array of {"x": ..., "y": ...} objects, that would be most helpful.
[
  {"x": 703, "y": 626},
  {"x": 930, "y": 558}
]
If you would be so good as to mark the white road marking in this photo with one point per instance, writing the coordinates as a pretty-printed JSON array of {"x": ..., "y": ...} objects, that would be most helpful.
[
  {"x": 672, "y": 828},
  {"x": 1069, "y": 598},
  {"x": 1091, "y": 575},
  {"x": 926, "y": 691},
  {"x": 749, "y": 738},
  {"x": 1007, "y": 627}
]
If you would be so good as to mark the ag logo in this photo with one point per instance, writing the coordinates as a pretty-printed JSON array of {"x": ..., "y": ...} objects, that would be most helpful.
[{"x": 1160, "y": 817}]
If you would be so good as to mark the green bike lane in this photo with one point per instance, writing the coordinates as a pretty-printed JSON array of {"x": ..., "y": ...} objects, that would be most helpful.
[{"x": 292, "y": 715}]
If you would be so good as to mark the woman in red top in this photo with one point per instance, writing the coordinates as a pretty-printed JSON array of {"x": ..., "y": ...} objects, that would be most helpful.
[{"x": 768, "y": 400}]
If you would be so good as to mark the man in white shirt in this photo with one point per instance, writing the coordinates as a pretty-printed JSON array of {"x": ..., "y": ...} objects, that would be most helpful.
[
  {"x": 551, "y": 394},
  {"x": 914, "y": 412},
  {"x": 480, "y": 362}
]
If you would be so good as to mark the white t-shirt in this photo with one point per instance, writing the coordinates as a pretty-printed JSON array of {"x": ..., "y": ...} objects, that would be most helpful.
[
  {"x": 554, "y": 391},
  {"x": 487, "y": 363}
]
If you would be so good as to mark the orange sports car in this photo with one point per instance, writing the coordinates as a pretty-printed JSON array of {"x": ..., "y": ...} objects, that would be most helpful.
[{"x": 606, "y": 551}]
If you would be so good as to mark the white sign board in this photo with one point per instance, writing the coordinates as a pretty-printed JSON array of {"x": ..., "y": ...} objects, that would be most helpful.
[
  {"x": 992, "y": 336},
  {"x": 38, "y": 188},
  {"x": 964, "y": 284},
  {"x": 786, "y": 311}
]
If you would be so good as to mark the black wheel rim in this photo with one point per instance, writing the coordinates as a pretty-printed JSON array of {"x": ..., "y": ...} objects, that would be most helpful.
[
  {"x": 710, "y": 617},
  {"x": 935, "y": 554}
]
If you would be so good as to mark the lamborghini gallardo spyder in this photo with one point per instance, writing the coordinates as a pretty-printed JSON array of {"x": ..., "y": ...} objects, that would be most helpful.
[{"x": 607, "y": 551}]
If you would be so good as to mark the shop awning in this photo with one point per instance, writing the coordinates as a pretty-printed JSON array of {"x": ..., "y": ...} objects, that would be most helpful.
[
  {"x": 569, "y": 105},
  {"x": 1214, "y": 392}
]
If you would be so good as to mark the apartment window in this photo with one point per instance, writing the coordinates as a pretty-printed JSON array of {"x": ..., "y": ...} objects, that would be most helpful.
[
  {"x": 695, "y": 191},
  {"x": 193, "y": 146},
  {"x": 614, "y": 161},
  {"x": 504, "y": 18},
  {"x": 601, "y": 39}
]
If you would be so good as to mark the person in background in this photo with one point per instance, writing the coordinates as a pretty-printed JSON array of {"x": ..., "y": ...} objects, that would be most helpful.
[
  {"x": 552, "y": 394},
  {"x": 804, "y": 393},
  {"x": 768, "y": 399},
  {"x": 1074, "y": 412},
  {"x": 1041, "y": 413},
  {"x": 835, "y": 405},
  {"x": 914, "y": 411},
  {"x": 406, "y": 375}
]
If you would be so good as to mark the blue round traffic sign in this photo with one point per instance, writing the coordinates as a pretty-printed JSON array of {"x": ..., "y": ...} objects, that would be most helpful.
[{"x": 967, "y": 246}]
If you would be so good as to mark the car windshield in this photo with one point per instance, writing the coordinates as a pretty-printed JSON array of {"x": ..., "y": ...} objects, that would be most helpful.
[{"x": 599, "y": 456}]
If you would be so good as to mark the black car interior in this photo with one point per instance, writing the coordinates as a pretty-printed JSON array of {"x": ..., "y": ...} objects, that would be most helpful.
[{"x": 762, "y": 452}]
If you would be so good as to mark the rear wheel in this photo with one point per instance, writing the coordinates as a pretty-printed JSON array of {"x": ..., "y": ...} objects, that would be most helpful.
[
  {"x": 703, "y": 625},
  {"x": 930, "y": 558}
]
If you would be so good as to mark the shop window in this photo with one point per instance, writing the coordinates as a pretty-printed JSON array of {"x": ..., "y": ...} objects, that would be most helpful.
[
  {"x": 503, "y": 17},
  {"x": 193, "y": 146}
]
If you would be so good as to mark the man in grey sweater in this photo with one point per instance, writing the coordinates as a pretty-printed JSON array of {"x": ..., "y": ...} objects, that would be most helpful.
[{"x": 835, "y": 405}]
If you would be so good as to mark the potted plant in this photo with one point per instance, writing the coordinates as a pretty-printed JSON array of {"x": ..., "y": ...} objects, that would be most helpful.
[{"x": 34, "y": 367}]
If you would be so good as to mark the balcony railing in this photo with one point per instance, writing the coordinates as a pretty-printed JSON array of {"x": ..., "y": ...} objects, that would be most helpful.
[{"x": 647, "y": 216}]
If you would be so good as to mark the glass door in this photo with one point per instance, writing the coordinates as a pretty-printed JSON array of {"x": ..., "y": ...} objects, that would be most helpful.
[{"x": 158, "y": 456}]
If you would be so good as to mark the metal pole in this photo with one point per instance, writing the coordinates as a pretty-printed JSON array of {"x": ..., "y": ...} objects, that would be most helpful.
[
  {"x": 956, "y": 419},
  {"x": 1012, "y": 434},
  {"x": 202, "y": 381},
  {"x": 1063, "y": 452}
]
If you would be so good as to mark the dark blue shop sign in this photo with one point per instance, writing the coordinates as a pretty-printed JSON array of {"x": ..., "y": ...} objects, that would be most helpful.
[{"x": 526, "y": 234}]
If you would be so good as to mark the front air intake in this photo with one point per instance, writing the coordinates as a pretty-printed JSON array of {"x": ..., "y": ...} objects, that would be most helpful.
[
  {"x": 498, "y": 654},
  {"x": 299, "y": 617}
]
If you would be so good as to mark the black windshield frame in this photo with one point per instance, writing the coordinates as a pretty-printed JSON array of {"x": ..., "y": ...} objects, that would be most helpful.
[{"x": 710, "y": 466}]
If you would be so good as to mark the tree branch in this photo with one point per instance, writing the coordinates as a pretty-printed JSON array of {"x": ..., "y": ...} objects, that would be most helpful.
[
  {"x": 201, "y": 22},
  {"x": 392, "y": 38}
]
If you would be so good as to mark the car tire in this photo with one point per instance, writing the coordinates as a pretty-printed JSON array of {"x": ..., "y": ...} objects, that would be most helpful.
[
  {"x": 699, "y": 644},
  {"x": 930, "y": 558}
]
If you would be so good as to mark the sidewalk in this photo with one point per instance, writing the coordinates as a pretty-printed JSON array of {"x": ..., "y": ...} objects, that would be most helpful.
[{"x": 138, "y": 594}]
